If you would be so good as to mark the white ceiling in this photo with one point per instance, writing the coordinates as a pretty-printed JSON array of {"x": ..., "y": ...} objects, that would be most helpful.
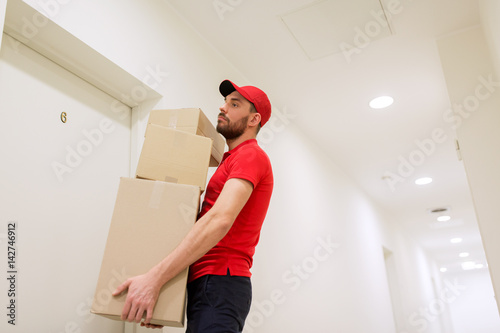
[
  {"x": 320, "y": 27},
  {"x": 291, "y": 49}
]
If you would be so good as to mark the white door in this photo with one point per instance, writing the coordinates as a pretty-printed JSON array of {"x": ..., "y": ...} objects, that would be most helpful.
[{"x": 63, "y": 149}]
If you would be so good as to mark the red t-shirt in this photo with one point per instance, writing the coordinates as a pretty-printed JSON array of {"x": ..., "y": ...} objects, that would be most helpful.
[{"x": 235, "y": 251}]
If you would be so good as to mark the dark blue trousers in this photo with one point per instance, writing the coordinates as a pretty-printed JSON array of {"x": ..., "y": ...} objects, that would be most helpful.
[{"x": 218, "y": 304}]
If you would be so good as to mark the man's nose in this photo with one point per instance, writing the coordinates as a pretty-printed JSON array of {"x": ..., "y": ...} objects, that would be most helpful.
[{"x": 223, "y": 108}]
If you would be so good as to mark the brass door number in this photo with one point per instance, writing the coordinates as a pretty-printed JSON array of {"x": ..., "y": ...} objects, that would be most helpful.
[{"x": 63, "y": 117}]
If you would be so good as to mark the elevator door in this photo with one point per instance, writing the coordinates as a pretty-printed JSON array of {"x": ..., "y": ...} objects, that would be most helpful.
[{"x": 63, "y": 149}]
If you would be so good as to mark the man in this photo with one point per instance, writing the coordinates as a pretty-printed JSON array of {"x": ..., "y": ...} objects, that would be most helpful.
[{"x": 220, "y": 246}]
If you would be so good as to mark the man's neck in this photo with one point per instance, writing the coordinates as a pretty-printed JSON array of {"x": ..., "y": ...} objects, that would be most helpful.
[{"x": 233, "y": 143}]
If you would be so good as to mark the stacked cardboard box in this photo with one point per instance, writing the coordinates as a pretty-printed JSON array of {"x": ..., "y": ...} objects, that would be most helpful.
[
  {"x": 154, "y": 211},
  {"x": 179, "y": 147},
  {"x": 191, "y": 121}
]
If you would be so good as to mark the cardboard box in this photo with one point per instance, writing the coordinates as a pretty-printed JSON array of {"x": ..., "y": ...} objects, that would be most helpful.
[
  {"x": 150, "y": 219},
  {"x": 194, "y": 121},
  {"x": 174, "y": 156}
]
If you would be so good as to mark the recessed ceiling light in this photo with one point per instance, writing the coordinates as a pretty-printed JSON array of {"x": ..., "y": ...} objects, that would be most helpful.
[
  {"x": 456, "y": 240},
  {"x": 443, "y": 269},
  {"x": 468, "y": 265},
  {"x": 381, "y": 102},
  {"x": 423, "y": 181},
  {"x": 443, "y": 218},
  {"x": 479, "y": 266},
  {"x": 464, "y": 255}
]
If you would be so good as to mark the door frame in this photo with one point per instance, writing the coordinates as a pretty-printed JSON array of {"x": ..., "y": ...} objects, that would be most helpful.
[{"x": 38, "y": 32}]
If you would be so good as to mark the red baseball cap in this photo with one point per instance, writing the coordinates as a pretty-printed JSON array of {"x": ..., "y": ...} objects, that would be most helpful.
[{"x": 253, "y": 94}]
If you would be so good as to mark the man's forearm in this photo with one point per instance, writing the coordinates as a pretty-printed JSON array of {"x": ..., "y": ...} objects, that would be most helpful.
[{"x": 204, "y": 235}]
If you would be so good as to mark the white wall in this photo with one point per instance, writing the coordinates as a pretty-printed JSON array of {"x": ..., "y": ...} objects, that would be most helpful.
[
  {"x": 475, "y": 288},
  {"x": 314, "y": 203},
  {"x": 414, "y": 276},
  {"x": 471, "y": 81},
  {"x": 490, "y": 21},
  {"x": 300, "y": 284},
  {"x": 320, "y": 287}
]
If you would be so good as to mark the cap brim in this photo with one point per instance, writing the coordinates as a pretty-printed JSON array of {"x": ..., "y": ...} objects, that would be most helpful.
[{"x": 226, "y": 87}]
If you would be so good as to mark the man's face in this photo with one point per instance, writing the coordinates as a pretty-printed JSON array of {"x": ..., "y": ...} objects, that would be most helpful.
[{"x": 233, "y": 118}]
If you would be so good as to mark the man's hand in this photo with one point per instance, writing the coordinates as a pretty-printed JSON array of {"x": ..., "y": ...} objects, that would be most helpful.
[{"x": 143, "y": 291}]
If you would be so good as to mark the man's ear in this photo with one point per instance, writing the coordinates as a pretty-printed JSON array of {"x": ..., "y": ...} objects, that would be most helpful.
[{"x": 255, "y": 119}]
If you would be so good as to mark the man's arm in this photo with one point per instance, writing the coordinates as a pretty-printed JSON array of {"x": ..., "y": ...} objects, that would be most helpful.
[{"x": 143, "y": 290}]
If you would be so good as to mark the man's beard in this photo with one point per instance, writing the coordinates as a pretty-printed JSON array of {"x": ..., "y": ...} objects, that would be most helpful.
[{"x": 232, "y": 131}]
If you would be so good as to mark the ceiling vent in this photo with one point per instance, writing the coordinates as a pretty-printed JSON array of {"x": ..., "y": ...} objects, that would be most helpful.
[
  {"x": 440, "y": 210},
  {"x": 331, "y": 26}
]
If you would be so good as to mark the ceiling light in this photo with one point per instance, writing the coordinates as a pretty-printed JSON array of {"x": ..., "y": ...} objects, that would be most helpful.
[
  {"x": 381, "y": 102},
  {"x": 478, "y": 266},
  {"x": 423, "y": 181},
  {"x": 464, "y": 255},
  {"x": 468, "y": 265},
  {"x": 443, "y": 218},
  {"x": 456, "y": 240},
  {"x": 443, "y": 269}
]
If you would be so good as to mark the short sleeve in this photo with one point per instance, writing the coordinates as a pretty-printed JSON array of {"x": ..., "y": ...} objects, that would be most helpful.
[{"x": 250, "y": 164}]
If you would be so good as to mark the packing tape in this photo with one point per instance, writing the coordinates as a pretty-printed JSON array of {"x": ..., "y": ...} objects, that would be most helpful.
[
  {"x": 171, "y": 179},
  {"x": 172, "y": 121},
  {"x": 155, "y": 199}
]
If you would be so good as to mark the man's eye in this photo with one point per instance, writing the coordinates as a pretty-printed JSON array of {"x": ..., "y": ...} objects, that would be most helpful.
[{"x": 235, "y": 105}]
